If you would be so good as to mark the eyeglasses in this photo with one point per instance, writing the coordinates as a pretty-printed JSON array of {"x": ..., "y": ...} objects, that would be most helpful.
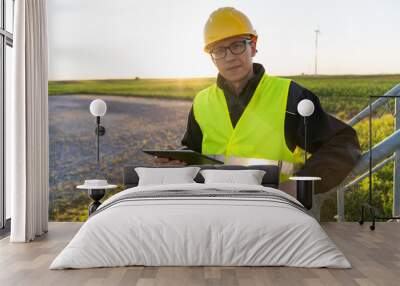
[{"x": 236, "y": 48}]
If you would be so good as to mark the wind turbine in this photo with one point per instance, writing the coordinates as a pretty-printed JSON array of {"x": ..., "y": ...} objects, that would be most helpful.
[{"x": 317, "y": 32}]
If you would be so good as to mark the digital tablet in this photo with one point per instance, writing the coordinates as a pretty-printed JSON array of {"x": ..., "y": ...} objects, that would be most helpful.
[{"x": 189, "y": 156}]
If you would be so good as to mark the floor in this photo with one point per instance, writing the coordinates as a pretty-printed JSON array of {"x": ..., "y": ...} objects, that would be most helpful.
[{"x": 374, "y": 255}]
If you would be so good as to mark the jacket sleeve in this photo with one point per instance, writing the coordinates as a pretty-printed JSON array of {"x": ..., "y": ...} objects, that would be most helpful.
[
  {"x": 333, "y": 144},
  {"x": 193, "y": 136}
]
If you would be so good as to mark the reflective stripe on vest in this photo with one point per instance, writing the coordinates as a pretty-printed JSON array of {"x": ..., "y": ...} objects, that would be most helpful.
[{"x": 260, "y": 131}]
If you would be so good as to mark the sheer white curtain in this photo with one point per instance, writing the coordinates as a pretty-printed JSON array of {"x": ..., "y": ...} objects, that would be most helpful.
[{"x": 27, "y": 121}]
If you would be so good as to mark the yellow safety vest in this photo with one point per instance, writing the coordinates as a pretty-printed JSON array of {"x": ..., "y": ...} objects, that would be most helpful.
[{"x": 260, "y": 131}]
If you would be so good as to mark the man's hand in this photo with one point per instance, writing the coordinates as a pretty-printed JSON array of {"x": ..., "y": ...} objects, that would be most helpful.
[
  {"x": 167, "y": 161},
  {"x": 289, "y": 187}
]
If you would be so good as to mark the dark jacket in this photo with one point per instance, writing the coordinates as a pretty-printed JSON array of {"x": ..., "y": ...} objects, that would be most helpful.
[{"x": 333, "y": 144}]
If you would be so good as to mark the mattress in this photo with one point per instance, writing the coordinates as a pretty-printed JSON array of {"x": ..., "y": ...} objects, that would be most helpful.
[{"x": 201, "y": 225}]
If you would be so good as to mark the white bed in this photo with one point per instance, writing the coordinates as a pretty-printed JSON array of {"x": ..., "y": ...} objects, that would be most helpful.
[{"x": 206, "y": 230}]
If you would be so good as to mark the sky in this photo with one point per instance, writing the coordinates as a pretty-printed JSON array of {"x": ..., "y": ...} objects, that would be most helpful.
[{"x": 98, "y": 39}]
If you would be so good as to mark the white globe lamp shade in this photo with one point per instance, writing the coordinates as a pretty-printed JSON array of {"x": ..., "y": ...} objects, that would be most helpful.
[
  {"x": 305, "y": 107},
  {"x": 98, "y": 107}
]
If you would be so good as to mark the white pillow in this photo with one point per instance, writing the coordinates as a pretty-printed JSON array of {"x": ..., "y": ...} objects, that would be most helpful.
[
  {"x": 249, "y": 177},
  {"x": 162, "y": 176}
]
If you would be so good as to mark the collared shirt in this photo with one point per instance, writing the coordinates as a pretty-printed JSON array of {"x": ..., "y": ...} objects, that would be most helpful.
[{"x": 333, "y": 144}]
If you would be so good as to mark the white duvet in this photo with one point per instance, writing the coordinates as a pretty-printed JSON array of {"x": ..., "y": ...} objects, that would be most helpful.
[{"x": 200, "y": 231}]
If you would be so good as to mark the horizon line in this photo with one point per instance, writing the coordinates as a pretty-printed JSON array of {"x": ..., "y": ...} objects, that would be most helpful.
[{"x": 210, "y": 77}]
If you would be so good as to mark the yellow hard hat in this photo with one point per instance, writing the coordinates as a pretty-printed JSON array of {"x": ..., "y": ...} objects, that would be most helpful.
[{"x": 225, "y": 23}]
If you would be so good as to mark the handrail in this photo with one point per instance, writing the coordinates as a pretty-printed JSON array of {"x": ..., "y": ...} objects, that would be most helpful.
[
  {"x": 380, "y": 156},
  {"x": 375, "y": 169},
  {"x": 381, "y": 151},
  {"x": 377, "y": 103}
]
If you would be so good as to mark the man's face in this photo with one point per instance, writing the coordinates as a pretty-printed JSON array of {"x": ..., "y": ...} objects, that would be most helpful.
[{"x": 234, "y": 67}]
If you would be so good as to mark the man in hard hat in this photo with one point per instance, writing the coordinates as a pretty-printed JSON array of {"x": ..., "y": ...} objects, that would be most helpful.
[{"x": 248, "y": 117}]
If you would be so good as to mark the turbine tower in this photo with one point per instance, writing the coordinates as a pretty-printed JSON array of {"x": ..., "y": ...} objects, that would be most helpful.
[{"x": 316, "y": 51}]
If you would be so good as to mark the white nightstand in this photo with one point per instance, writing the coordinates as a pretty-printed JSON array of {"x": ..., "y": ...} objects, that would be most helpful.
[
  {"x": 305, "y": 189},
  {"x": 96, "y": 193}
]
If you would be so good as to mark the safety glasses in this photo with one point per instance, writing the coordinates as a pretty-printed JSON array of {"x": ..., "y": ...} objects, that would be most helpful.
[{"x": 236, "y": 48}]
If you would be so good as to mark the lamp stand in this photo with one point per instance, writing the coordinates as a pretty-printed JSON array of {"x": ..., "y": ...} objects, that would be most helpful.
[
  {"x": 305, "y": 139},
  {"x": 100, "y": 131}
]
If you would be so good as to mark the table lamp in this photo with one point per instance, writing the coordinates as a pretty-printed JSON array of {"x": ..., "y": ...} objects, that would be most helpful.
[
  {"x": 305, "y": 185},
  {"x": 97, "y": 187},
  {"x": 98, "y": 108}
]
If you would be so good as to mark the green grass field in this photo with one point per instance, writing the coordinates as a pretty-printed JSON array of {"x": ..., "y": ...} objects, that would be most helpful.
[
  {"x": 176, "y": 88},
  {"x": 343, "y": 96},
  {"x": 325, "y": 86},
  {"x": 342, "y": 85}
]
